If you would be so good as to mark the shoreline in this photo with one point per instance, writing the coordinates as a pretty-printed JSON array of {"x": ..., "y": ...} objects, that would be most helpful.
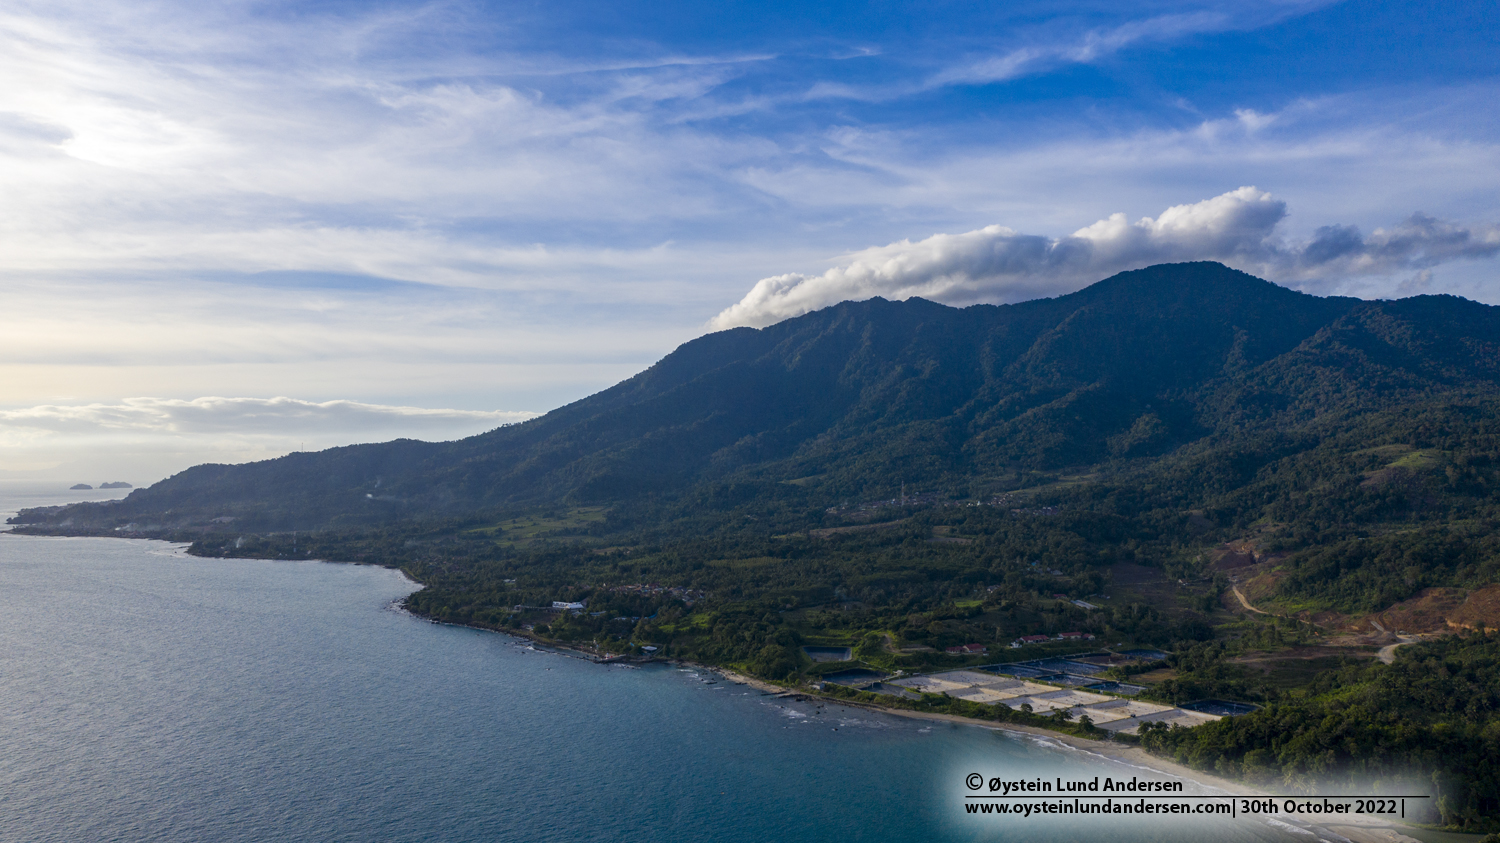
[{"x": 1353, "y": 828}]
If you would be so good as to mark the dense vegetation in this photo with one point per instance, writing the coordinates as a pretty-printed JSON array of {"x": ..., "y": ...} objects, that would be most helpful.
[
  {"x": 744, "y": 497},
  {"x": 1366, "y": 724},
  {"x": 854, "y": 400}
]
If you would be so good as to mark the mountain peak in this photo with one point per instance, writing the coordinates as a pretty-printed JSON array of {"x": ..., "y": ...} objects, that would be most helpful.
[{"x": 863, "y": 391}]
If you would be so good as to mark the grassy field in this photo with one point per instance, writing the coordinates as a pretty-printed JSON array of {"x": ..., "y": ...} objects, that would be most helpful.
[{"x": 526, "y": 529}]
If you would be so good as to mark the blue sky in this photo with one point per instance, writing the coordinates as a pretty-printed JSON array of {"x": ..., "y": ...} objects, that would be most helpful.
[{"x": 423, "y": 218}]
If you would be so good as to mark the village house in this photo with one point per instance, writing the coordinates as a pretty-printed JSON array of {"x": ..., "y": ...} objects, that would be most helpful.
[{"x": 967, "y": 650}]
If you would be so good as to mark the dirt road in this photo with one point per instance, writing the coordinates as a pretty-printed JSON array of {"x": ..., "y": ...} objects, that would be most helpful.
[
  {"x": 1246, "y": 603},
  {"x": 1387, "y": 653}
]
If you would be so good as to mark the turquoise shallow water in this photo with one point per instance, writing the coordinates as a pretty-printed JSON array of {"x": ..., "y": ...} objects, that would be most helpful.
[{"x": 146, "y": 695}]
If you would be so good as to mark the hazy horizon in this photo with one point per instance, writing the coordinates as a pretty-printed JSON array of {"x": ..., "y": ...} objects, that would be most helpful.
[{"x": 237, "y": 230}]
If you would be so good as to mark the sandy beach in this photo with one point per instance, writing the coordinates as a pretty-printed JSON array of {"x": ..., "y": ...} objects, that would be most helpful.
[
  {"x": 1351, "y": 827},
  {"x": 1354, "y": 828}
]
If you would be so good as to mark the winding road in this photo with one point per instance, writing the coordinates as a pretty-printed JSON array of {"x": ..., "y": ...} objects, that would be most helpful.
[
  {"x": 1387, "y": 653},
  {"x": 1246, "y": 603}
]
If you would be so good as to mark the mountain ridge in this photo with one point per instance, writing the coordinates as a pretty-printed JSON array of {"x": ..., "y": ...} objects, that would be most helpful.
[
  {"x": 1128, "y": 368},
  {"x": 1120, "y": 462}
]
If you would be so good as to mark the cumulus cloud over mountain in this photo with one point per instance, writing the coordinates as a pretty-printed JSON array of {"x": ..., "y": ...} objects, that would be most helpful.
[{"x": 998, "y": 264}]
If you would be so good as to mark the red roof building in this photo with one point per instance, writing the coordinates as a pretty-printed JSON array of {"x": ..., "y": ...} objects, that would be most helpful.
[{"x": 967, "y": 650}]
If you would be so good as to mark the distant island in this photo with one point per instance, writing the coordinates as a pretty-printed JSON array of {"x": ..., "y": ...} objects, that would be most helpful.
[
  {"x": 1181, "y": 495},
  {"x": 117, "y": 484},
  {"x": 80, "y": 487}
]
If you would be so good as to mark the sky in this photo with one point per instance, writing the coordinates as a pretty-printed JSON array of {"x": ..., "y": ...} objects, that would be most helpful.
[{"x": 230, "y": 230}]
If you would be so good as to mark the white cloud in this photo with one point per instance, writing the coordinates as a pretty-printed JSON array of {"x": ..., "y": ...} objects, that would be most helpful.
[
  {"x": 160, "y": 139},
  {"x": 144, "y": 438},
  {"x": 591, "y": 199},
  {"x": 998, "y": 264},
  {"x": 152, "y": 138},
  {"x": 255, "y": 416},
  {"x": 1037, "y": 48},
  {"x": 1089, "y": 47}
]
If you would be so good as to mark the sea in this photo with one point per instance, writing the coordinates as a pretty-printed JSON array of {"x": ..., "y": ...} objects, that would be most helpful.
[{"x": 148, "y": 695}]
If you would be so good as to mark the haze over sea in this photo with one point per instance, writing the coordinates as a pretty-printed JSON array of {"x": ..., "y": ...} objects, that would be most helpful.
[{"x": 147, "y": 695}]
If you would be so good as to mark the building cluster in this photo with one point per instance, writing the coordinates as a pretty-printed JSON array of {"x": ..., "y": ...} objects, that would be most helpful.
[
  {"x": 557, "y": 607},
  {"x": 967, "y": 650},
  {"x": 1042, "y": 639},
  {"x": 1034, "y": 511},
  {"x": 686, "y": 595},
  {"x": 1055, "y": 685},
  {"x": 925, "y": 499},
  {"x": 916, "y": 499}
]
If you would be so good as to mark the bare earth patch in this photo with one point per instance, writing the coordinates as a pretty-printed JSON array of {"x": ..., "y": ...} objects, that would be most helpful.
[{"x": 1481, "y": 608}]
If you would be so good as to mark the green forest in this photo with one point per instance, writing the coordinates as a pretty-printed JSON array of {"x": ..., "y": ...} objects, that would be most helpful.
[
  {"x": 1184, "y": 458},
  {"x": 1435, "y": 710},
  {"x": 748, "y": 586}
]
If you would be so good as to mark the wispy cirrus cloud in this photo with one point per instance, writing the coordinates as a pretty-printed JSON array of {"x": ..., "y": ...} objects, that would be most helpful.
[
  {"x": 1031, "y": 50},
  {"x": 1089, "y": 46},
  {"x": 526, "y": 206},
  {"x": 157, "y": 138},
  {"x": 150, "y": 139}
]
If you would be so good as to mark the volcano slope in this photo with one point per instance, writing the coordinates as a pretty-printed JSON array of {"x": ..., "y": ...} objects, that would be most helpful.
[
  {"x": 1175, "y": 361},
  {"x": 902, "y": 477}
]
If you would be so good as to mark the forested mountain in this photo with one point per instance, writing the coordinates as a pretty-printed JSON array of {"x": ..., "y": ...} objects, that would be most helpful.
[
  {"x": 864, "y": 396},
  {"x": 1274, "y": 487}
]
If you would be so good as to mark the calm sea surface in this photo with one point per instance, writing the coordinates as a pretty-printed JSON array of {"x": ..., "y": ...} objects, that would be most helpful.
[{"x": 146, "y": 695}]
